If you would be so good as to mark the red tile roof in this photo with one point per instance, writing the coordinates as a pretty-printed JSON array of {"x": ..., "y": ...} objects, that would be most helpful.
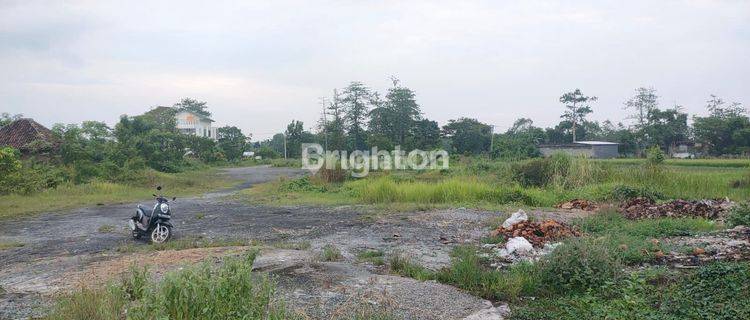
[{"x": 21, "y": 133}]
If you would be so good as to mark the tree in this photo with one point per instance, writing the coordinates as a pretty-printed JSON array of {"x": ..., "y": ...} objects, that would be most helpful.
[
  {"x": 425, "y": 135},
  {"x": 402, "y": 104},
  {"x": 643, "y": 103},
  {"x": 335, "y": 128},
  {"x": 231, "y": 141},
  {"x": 356, "y": 100},
  {"x": 159, "y": 145},
  {"x": 726, "y": 130},
  {"x": 204, "y": 148},
  {"x": 382, "y": 124},
  {"x": 665, "y": 128},
  {"x": 468, "y": 136},
  {"x": 7, "y": 118},
  {"x": 577, "y": 108},
  {"x": 519, "y": 142},
  {"x": 644, "y": 100},
  {"x": 194, "y": 106},
  {"x": 294, "y": 134}
]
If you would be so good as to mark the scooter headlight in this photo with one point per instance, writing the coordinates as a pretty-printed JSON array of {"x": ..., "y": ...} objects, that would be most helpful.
[{"x": 164, "y": 208}]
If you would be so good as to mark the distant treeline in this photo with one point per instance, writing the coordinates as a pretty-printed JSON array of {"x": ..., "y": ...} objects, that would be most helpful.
[
  {"x": 359, "y": 118},
  {"x": 93, "y": 150}
]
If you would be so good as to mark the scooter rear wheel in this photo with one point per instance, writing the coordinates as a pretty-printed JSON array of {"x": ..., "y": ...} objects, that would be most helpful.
[{"x": 161, "y": 234}]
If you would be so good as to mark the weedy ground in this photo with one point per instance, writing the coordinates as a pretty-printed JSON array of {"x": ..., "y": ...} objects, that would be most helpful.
[{"x": 69, "y": 196}]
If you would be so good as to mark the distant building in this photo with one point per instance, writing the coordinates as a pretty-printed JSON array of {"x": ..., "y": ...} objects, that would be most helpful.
[
  {"x": 195, "y": 124},
  {"x": 29, "y": 137},
  {"x": 683, "y": 150},
  {"x": 591, "y": 149}
]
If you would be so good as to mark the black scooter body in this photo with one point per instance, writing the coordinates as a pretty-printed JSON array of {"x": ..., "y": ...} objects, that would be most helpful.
[{"x": 155, "y": 224}]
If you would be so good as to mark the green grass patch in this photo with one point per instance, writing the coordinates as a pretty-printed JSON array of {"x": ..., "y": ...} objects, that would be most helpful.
[
  {"x": 469, "y": 273},
  {"x": 715, "y": 291},
  {"x": 107, "y": 228},
  {"x": 635, "y": 241},
  {"x": 69, "y": 196},
  {"x": 403, "y": 265},
  {"x": 375, "y": 257},
  {"x": 10, "y": 245},
  {"x": 301, "y": 245},
  {"x": 330, "y": 253}
]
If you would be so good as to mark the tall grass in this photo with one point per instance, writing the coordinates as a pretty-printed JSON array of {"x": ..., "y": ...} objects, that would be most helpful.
[
  {"x": 452, "y": 190},
  {"x": 230, "y": 291},
  {"x": 534, "y": 182}
]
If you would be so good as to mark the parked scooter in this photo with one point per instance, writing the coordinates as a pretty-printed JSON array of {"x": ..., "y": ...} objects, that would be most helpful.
[{"x": 154, "y": 224}]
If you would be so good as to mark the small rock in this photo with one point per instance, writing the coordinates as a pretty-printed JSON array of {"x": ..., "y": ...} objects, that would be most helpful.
[{"x": 516, "y": 217}]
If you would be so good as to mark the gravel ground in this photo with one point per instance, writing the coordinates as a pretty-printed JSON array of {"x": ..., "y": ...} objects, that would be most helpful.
[{"x": 61, "y": 247}]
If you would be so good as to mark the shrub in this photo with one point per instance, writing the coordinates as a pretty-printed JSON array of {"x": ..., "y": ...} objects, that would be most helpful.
[
  {"x": 579, "y": 265},
  {"x": 655, "y": 156},
  {"x": 330, "y": 253},
  {"x": 372, "y": 256},
  {"x": 534, "y": 172},
  {"x": 739, "y": 215},
  {"x": 90, "y": 303},
  {"x": 203, "y": 292},
  {"x": 303, "y": 184},
  {"x": 467, "y": 272},
  {"x": 622, "y": 192},
  {"x": 403, "y": 265}
]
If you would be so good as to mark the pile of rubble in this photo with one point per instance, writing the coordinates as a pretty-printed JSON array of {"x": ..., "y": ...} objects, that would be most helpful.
[
  {"x": 528, "y": 240},
  {"x": 537, "y": 233},
  {"x": 639, "y": 208},
  {"x": 578, "y": 204}
]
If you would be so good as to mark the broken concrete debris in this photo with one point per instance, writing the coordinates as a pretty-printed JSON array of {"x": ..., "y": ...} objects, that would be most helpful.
[
  {"x": 639, "y": 208},
  {"x": 537, "y": 233},
  {"x": 578, "y": 204},
  {"x": 528, "y": 240},
  {"x": 516, "y": 217}
]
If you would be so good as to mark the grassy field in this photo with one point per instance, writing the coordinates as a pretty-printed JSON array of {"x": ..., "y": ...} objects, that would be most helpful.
[
  {"x": 98, "y": 193},
  {"x": 485, "y": 184}
]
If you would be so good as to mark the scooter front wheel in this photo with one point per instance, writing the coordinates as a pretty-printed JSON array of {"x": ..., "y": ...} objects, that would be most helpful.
[{"x": 161, "y": 233}]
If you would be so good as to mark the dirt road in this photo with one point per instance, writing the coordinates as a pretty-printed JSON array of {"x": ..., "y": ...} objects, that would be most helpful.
[{"x": 64, "y": 249}]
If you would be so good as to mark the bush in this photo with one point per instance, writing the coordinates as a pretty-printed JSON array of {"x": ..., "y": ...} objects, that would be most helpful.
[
  {"x": 330, "y": 253},
  {"x": 579, "y": 265},
  {"x": 403, "y": 265},
  {"x": 468, "y": 273},
  {"x": 739, "y": 215},
  {"x": 655, "y": 156},
  {"x": 532, "y": 173},
  {"x": 303, "y": 184},
  {"x": 229, "y": 292},
  {"x": 622, "y": 192}
]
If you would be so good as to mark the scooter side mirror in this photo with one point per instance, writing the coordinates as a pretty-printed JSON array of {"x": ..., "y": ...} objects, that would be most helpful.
[
  {"x": 158, "y": 187},
  {"x": 153, "y": 194}
]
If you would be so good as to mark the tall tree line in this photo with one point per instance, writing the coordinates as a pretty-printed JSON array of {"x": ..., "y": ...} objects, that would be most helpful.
[{"x": 357, "y": 117}]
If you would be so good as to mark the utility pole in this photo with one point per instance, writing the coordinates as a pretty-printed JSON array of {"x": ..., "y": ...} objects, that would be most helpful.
[
  {"x": 284, "y": 145},
  {"x": 325, "y": 121}
]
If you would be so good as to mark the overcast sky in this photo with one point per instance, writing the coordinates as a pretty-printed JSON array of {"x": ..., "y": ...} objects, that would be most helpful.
[{"x": 261, "y": 64}]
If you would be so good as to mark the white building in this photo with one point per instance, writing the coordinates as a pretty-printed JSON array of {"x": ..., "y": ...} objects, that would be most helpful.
[{"x": 195, "y": 124}]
